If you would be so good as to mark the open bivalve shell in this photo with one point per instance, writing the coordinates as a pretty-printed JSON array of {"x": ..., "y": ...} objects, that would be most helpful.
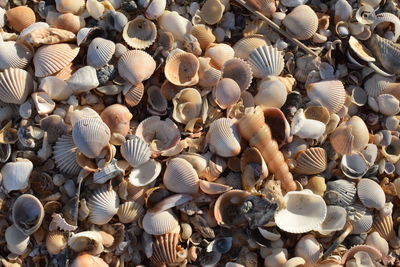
[
  {"x": 354, "y": 165},
  {"x": 130, "y": 211},
  {"x": 182, "y": 68},
  {"x": 335, "y": 220},
  {"x": 187, "y": 105},
  {"x": 135, "y": 151},
  {"x": 181, "y": 177},
  {"x": 145, "y": 173},
  {"x": 27, "y": 214},
  {"x": 387, "y": 52},
  {"x": 140, "y": 33},
  {"x": 136, "y": 66},
  {"x": 100, "y": 52},
  {"x": 309, "y": 249},
  {"x": 211, "y": 11},
  {"x": 15, "y": 85},
  {"x": 160, "y": 223},
  {"x": 103, "y": 205},
  {"x": 266, "y": 60},
  {"x": 371, "y": 194},
  {"x": 226, "y": 208},
  {"x": 340, "y": 192},
  {"x": 89, "y": 241},
  {"x": 305, "y": 211},
  {"x": 330, "y": 94},
  {"x": 14, "y": 55},
  {"x": 239, "y": 71},
  {"x": 311, "y": 161},
  {"x": 15, "y": 175},
  {"x": 17, "y": 242},
  {"x": 223, "y": 138},
  {"x": 302, "y": 22}
]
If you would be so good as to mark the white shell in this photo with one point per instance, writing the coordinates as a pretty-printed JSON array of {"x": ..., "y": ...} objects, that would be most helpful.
[
  {"x": 95, "y": 9},
  {"x": 15, "y": 85},
  {"x": 103, "y": 205},
  {"x": 354, "y": 165},
  {"x": 160, "y": 223},
  {"x": 343, "y": 10},
  {"x": 388, "y": 104},
  {"x": 309, "y": 249},
  {"x": 223, "y": 138},
  {"x": 87, "y": 240},
  {"x": 83, "y": 80},
  {"x": 331, "y": 94},
  {"x": 387, "y": 18},
  {"x": 145, "y": 173},
  {"x": 266, "y": 60},
  {"x": 181, "y": 177},
  {"x": 16, "y": 175},
  {"x": 17, "y": 242},
  {"x": 135, "y": 151},
  {"x": 376, "y": 84},
  {"x": 375, "y": 240},
  {"x": 334, "y": 221},
  {"x": 175, "y": 23},
  {"x": 306, "y": 128},
  {"x": 271, "y": 93},
  {"x": 371, "y": 194},
  {"x": 155, "y": 9},
  {"x": 130, "y": 211},
  {"x": 100, "y": 52},
  {"x": 14, "y": 55},
  {"x": 56, "y": 88}
]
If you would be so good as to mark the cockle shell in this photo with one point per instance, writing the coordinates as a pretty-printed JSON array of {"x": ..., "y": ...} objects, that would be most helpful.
[
  {"x": 27, "y": 214},
  {"x": 20, "y": 17},
  {"x": 266, "y": 60},
  {"x": 363, "y": 224},
  {"x": 100, "y": 52},
  {"x": 187, "y": 105},
  {"x": 17, "y": 242},
  {"x": 223, "y": 138},
  {"x": 136, "y": 66},
  {"x": 226, "y": 93},
  {"x": 70, "y": 6},
  {"x": 103, "y": 205},
  {"x": 219, "y": 54},
  {"x": 311, "y": 161},
  {"x": 335, "y": 220},
  {"x": 246, "y": 45},
  {"x": 181, "y": 68},
  {"x": 155, "y": 9},
  {"x": 318, "y": 113},
  {"x": 84, "y": 113},
  {"x": 130, "y": 211},
  {"x": 387, "y": 52},
  {"x": 15, "y": 85},
  {"x": 15, "y": 175},
  {"x": 239, "y": 71},
  {"x": 64, "y": 152},
  {"x": 87, "y": 260},
  {"x": 266, "y": 7},
  {"x": 211, "y": 11},
  {"x": 135, "y": 151},
  {"x": 302, "y": 22},
  {"x": 145, "y": 173},
  {"x": 14, "y": 55},
  {"x": 386, "y": 18},
  {"x": 56, "y": 88},
  {"x": 83, "y": 80},
  {"x": 309, "y": 249},
  {"x": 66, "y": 21},
  {"x": 174, "y": 23},
  {"x": 371, "y": 194},
  {"x": 117, "y": 117},
  {"x": 330, "y": 94},
  {"x": 203, "y": 34},
  {"x": 340, "y": 192},
  {"x": 376, "y": 84},
  {"x": 354, "y": 165},
  {"x": 159, "y": 223},
  {"x": 181, "y": 177},
  {"x": 56, "y": 241},
  {"x": 140, "y": 33},
  {"x": 343, "y": 10},
  {"x": 134, "y": 94},
  {"x": 208, "y": 75},
  {"x": 271, "y": 93},
  {"x": 164, "y": 249}
]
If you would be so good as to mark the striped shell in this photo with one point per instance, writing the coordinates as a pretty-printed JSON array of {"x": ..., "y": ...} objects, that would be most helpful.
[
  {"x": 20, "y": 17},
  {"x": 159, "y": 223},
  {"x": 27, "y": 214},
  {"x": 208, "y": 75},
  {"x": 376, "y": 84},
  {"x": 239, "y": 71},
  {"x": 56, "y": 241},
  {"x": 340, "y": 192},
  {"x": 164, "y": 249},
  {"x": 100, "y": 52},
  {"x": 181, "y": 68},
  {"x": 371, "y": 194},
  {"x": 266, "y": 60},
  {"x": 311, "y": 161},
  {"x": 64, "y": 155},
  {"x": 135, "y": 151},
  {"x": 363, "y": 224},
  {"x": 223, "y": 138},
  {"x": 91, "y": 136},
  {"x": 302, "y": 22},
  {"x": 140, "y": 33},
  {"x": 49, "y": 59},
  {"x": 15, "y": 175},
  {"x": 136, "y": 66},
  {"x": 103, "y": 205},
  {"x": 203, "y": 34},
  {"x": 387, "y": 52},
  {"x": 130, "y": 211},
  {"x": 17, "y": 242},
  {"x": 181, "y": 177},
  {"x": 14, "y": 55},
  {"x": 384, "y": 226},
  {"x": 246, "y": 45},
  {"x": 330, "y": 94},
  {"x": 134, "y": 94},
  {"x": 84, "y": 113},
  {"x": 15, "y": 85}
]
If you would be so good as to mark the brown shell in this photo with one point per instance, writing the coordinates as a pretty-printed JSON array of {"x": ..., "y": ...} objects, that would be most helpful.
[
  {"x": 384, "y": 226},
  {"x": 20, "y": 17},
  {"x": 117, "y": 117},
  {"x": 181, "y": 69},
  {"x": 134, "y": 94},
  {"x": 15, "y": 85},
  {"x": 164, "y": 249},
  {"x": 204, "y": 35},
  {"x": 311, "y": 161}
]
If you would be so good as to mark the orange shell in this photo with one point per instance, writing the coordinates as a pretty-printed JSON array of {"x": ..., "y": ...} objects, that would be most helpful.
[{"x": 20, "y": 17}]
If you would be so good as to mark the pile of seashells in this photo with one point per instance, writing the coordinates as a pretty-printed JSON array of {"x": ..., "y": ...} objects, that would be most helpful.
[{"x": 200, "y": 133}]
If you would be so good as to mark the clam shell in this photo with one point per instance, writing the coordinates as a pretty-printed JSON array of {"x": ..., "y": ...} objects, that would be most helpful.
[
  {"x": 266, "y": 60},
  {"x": 27, "y": 214},
  {"x": 181, "y": 68},
  {"x": 317, "y": 185},
  {"x": 103, "y": 205},
  {"x": 335, "y": 220},
  {"x": 164, "y": 249},
  {"x": 159, "y": 223},
  {"x": 70, "y": 6},
  {"x": 91, "y": 136},
  {"x": 49, "y": 59},
  {"x": 208, "y": 75},
  {"x": 145, "y": 173},
  {"x": 302, "y": 22},
  {"x": 388, "y": 104},
  {"x": 64, "y": 154},
  {"x": 376, "y": 241},
  {"x": 136, "y": 66},
  {"x": 134, "y": 94},
  {"x": 387, "y": 18},
  {"x": 330, "y": 94},
  {"x": 17, "y": 242},
  {"x": 20, "y": 17},
  {"x": 129, "y": 212},
  {"x": 187, "y": 105},
  {"x": 155, "y": 9},
  {"x": 156, "y": 102},
  {"x": 15, "y": 175},
  {"x": 387, "y": 52},
  {"x": 239, "y": 71},
  {"x": 226, "y": 93},
  {"x": 305, "y": 128},
  {"x": 219, "y": 54},
  {"x": 117, "y": 117},
  {"x": 56, "y": 241},
  {"x": 66, "y": 21},
  {"x": 376, "y": 84},
  {"x": 83, "y": 80},
  {"x": 305, "y": 211},
  {"x": 181, "y": 177},
  {"x": 56, "y": 88},
  {"x": 271, "y": 93},
  {"x": 340, "y": 192},
  {"x": 311, "y": 161},
  {"x": 246, "y": 45},
  {"x": 211, "y": 11},
  {"x": 15, "y": 85},
  {"x": 135, "y": 151},
  {"x": 371, "y": 194},
  {"x": 14, "y": 55},
  {"x": 140, "y": 33},
  {"x": 90, "y": 241},
  {"x": 84, "y": 113},
  {"x": 318, "y": 113},
  {"x": 309, "y": 249},
  {"x": 227, "y": 206},
  {"x": 354, "y": 165},
  {"x": 223, "y": 138},
  {"x": 88, "y": 260},
  {"x": 100, "y": 52},
  {"x": 174, "y": 23},
  {"x": 204, "y": 35}
]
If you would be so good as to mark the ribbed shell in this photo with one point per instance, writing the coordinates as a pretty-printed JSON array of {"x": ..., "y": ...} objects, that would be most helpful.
[
  {"x": 302, "y": 22},
  {"x": 223, "y": 138},
  {"x": 129, "y": 212},
  {"x": 103, "y": 205},
  {"x": 15, "y": 175},
  {"x": 135, "y": 151},
  {"x": 340, "y": 192},
  {"x": 330, "y": 94},
  {"x": 211, "y": 11},
  {"x": 100, "y": 52},
  {"x": 136, "y": 66},
  {"x": 362, "y": 225},
  {"x": 386, "y": 17},
  {"x": 311, "y": 161},
  {"x": 17, "y": 242},
  {"x": 64, "y": 155},
  {"x": 384, "y": 226},
  {"x": 266, "y": 60},
  {"x": 181, "y": 68},
  {"x": 181, "y": 177},
  {"x": 371, "y": 194},
  {"x": 85, "y": 113},
  {"x": 20, "y": 17},
  {"x": 204, "y": 35},
  {"x": 239, "y": 71},
  {"x": 15, "y": 85},
  {"x": 134, "y": 94},
  {"x": 90, "y": 241},
  {"x": 140, "y": 33},
  {"x": 377, "y": 84},
  {"x": 387, "y": 52},
  {"x": 91, "y": 136},
  {"x": 246, "y": 45},
  {"x": 27, "y": 214},
  {"x": 159, "y": 223},
  {"x": 164, "y": 249},
  {"x": 14, "y": 55},
  {"x": 56, "y": 241},
  {"x": 49, "y": 59},
  {"x": 308, "y": 248}
]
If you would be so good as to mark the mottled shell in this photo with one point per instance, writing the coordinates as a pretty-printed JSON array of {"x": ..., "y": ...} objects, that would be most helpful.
[
  {"x": 100, "y": 52},
  {"x": 330, "y": 94},
  {"x": 135, "y": 151},
  {"x": 187, "y": 105},
  {"x": 371, "y": 194},
  {"x": 103, "y": 205},
  {"x": 239, "y": 71},
  {"x": 219, "y": 54},
  {"x": 246, "y": 45},
  {"x": 211, "y": 11},
  {"x": 64, "y": 154},
  {"x": 56, "y": 241},
  {"x": 340, "y": 192},
  {"x": 164, "y": 249},
  {"x": 208, "y": 75},
  {"x": 204, "y": 35},
  {"x": 266, "y": 60},
  {"x": 90, "y": 241},
  {"x": 387, "y": 52},
  {"x": 17, "y": 242},
  {"x": 117, "y": 117},
  {"x": 159, "y": 223},
  {"x": 134, "y": 94},
  {"x": 271, "y": 93},
  {"x": 181, "y": 68},
  {"x": 309, "y": 249},
  {"x": 130, "y": 211},
  {"x": 302, "y": 22},
  {"x": 49, "y": 59},
  {"x": 20, "y": 17},
  {"x": 311, "y": 161},
  {"x": 15, "y": 85},
  {"x": 70, "y": 6},
  {"x": 27, "y": 214},
  {"x": 15, "y": 175},
  {"x": 14, "y": 55},
  {"x": 226, "y": 93},
  {"x": 223, "y": 138},
  {"x": 87, "y": 260},
  {"x": 181, "y": 177},
  {"x": 136, "y": 66},
  {"x": 140, "y": 33}
]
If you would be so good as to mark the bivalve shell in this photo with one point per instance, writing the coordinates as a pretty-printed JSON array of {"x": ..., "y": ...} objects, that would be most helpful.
[
  {"x": 330, "y": 94},
  {"x": 56, "y": 241},
  {"x": 136, "y": 66},
  {"x": 14, "y": 55},
  {"x": 239, "y": 71},
  {"x": 87, "y": 260},
  {"x": 354, "y": 165},
  {"x": 15, "y": 175},
  {"x": 387, "y": 52},
  {"x": 219, "y": 54},
  {"x": 20, "y": 17},
  {"x": 340, "y": 192},
  {"x": 100, "y": 52},
  {"x": 164, "y": 249},
  {"x": 64, "y": 154},
  {"x": 117, "y": 117},
  {"x": 187, "y": 105},
  {"x": 66, "y": 21},
  {"x": 246, "y": 45},
  {"x": 56, "y": 88},
  {"x": 211, "y": 11},
  {"x": 182, "y": 68},
  {"x": 89, "y": 241},
  {"x": 271, "y": 93},
  {"x": 204, "y": 35},
  {"x": 181, "y": 177},
  {"x": 130, "y": 211},
  {"x": 103, "y": 205},
  {"x": 27, "y": 214},
  {"x": 223, "y": 138},
  {"x": 376, "y": 241},
  {"x": 134, "y": 94},
  {"x": 226, "y": 93},
  {"x": 15, "y": 85},
  {"x": 160, "y": 223},
  {"x": 371, "y": 194},
  {"x": 175, "y": 23},
  {"x": 145, "y": 173},
  {"x": 70, "y": 6},
  {"x": 135, "y": 151},
  {"x": 388, "y": 104},
  {"x": 386, "y": 18},
  {"x": 335, "y": 220},
  {"x": 309, "y": 249},
  {"x": 208, "y": 75},
  {"x": 311, "y": 161},
  {"x": 155, "y": 9},
  {"x": 266, "y": 60},
  {"x": 17, "y": 242},
  {"x": 140, "y": 33},
  {"x": 302, "y": 22}
]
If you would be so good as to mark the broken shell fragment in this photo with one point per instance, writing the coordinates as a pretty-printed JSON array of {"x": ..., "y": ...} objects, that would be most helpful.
[{"x": 187, "y": 105}]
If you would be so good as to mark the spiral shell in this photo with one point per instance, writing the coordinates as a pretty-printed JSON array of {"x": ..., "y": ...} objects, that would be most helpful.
[
  {"x": 164, "y": 249},
  {"x": 20, "y": 17},
  {"x": 330, "y": 94},
  {"x": 15, "y": 85},
  {"x": 17, "y": 242},
  {"x": 140, "y": 33},
  {"x": 129, "y": 212},
  {"x": 103, "y": 205},
  {"x": 181, "y": 68},
  {"x": 136, "y": 66},
  {"x": 371, "y": 194},
  {"x": 100, "y": 52},
  {"x": 15, "y": 175},
  {"x": 223, "y": 138},
  {"x": 266, "y": 60},
  {"x": 302, "y": 22},
  {"x": 311, "y": 161},
  {"x": 14, "y": 55},
  {"x": 160, "y": 223},
  {"x": 239, "y": 71},
  {"x": 181, "y": 177}
]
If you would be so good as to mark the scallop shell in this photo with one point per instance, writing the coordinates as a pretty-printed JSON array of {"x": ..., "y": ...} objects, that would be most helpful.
[
  {"x": 155, "y": 9},
  {"x": 14, "y": 55},
  {"x": 363, "y": 224},
  {"x": 309, "y": 249},
  {"x": 187, "y": 105},
  {"x": 302, "y": 22},
  {"x": 135, "y": 151},
  {"x": 145, "y": 173},
  {"x": 376, "y": 84},
  {"x": 159, "y": 223},
  {"x": 64, "y": 154},
  {"x": 181, "y": 177},
  {"x": 223, "y": 138},
  {"x": 49, "y": 59},
  {"x": 340, "y": 192},
  {"x": 330, "y": 94},
  {"x": 311, "y": 161},
  {"x": 56, "y": 241},
  {"x": 181, "y": 68},
  {"x": 384, "y": 226},
  {"x": 164, "y": 249},
  {"x": 226, "y": 93},
  {"x": 100, "y": 52},
  {"x": 70, "y": 6},
  {"x": 203, "y": 34},
  {"x": 211, "y": 11},
  {"x": 130, "y": 211},
  {"x": 219, "y": 54},
  {"x": 88, "y": 260},
  {"x": 20, "y": 17},
  {"x": 174, "y": 23},
  {"x": 103, "y": 205},
  {"x": 335, "y": 220},
  {"x": 134, "y": 94},
  {"x": 266, "y": 60},
  {"x": 208, "y": 75},
  {"x": 140, "y": 33},
  {"x": 136, "y": 66},
  {"x": 305, "y": 211},
  {"x": 15, "y": 175},
  {"x": 387, "y": 52},
  {"x": 15, "y": 85},
  {"x": 246, "y": 45},
  {"x": 271, "y": 93},
  {"x": 90, "y": 241},
  {"x": 239, "y": 71},
  {"x": 91, "y": 136},
  {"x": 117, "y": 117},
  {"x": 17, "y": 242},
  {"x": 387, "y": 18},
  {"x": 266, "y": 7},
  {"x": 371, "y": 194}
]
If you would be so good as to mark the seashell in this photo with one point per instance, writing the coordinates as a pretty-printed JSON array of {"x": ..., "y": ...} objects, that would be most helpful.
[
  {"x": 155, "y": 9},
  {"x": 156, "y": 103},
  {"x": 67, "y": 21},
  {"x": 83, "y": 80},
  {"x": 117, "y": 117},
  {"x": 159, "y": 223},
  {"x": 86, "y": 260},
  {"x": 384, "y": 226},
  {"x": 391, "y": 152},
  {"x": 223, "y": 138},
  {"x": 364, "y": 251},
  {"x": 277, "y": 258},
  {"x": 371, "y": 194},
  {"x": 208, "y": 75},
  {"x": 95, "y": 9},
  {"x": 386, "y": 51},
  {"x": 306, "y": 128},
  {"x": 129, "y": 212},
  {"x": 330, "y": 94},
  {"x": 227, "y": 207},
  {"x": 27, "y": 214},
  {"x": 211, "y": 188},
  {"x": 376, "y": 241},
  {"x": 239, "y": 71},
  {"x": 145, "y": 173},
  {"x": 64, "y": 154},
  {"x": 246, "y": 45},
  {"x": 226, "y": 93},
  {"x": 317, "y": 185},
  {"x": 89, "y": 241},
  {"x": 388, "y": 104},
  {"x": 335, "y": 220},
  {"x": 181, "y": 68},
  {"x": 43, "y": 103},
  {"x": 204, "y": 35},
  {"x": 70, "y": 6},
  {"x": 386, "y": 18},
  {"x": 51, "y": 58},
  {"x": 15, "y": 85},
  {"x": 84, "y": 113},
  {"x": 309, "y": 249},
  {"x": 354, "y": 165},
  {"x": 56, "y": 241},
  {"x": 103, "y": 205},
  {"x": 318, "y": 113},
  {"x": 305, "y": 211},
  {"x": 211, "y": 11},
  {"x": 20, "y": 17},
  {"x": 17, "y": 242},
  {"x": 340, "y": 192},
  {"x": 376, "y": 84},
  {"x": 136, "y": 66},
  {"x": 164, "y": 249},
  {"x": 100, "y": 52},
  {"x": 140, "y": 33},
  {"x": 295, "y": 261},
  {"x": 271, "y": 93},
  {"x": 311, "y": 161},
  {"x": 174, "y": 23},
  {"x": 15, "y": 175},
  {"x": 115, "y": 21},
  {"x": 56, "y": 88},
  {"x": 187, "y": 105},
  {"x": 266, "y": 7},
  {"x": 14, "y": 55},
  {"x": 135, "y": 151},
  {"x": 181, "y": 177},
  {"x": 134, "y": 94},
  {"x": 219, "y": 54},
  {"x": 301, "y": 22},
  {"x": 91, "y": 136},
  {"x": 343, "y": 10},
  {"x": 266, "y": 60}
]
